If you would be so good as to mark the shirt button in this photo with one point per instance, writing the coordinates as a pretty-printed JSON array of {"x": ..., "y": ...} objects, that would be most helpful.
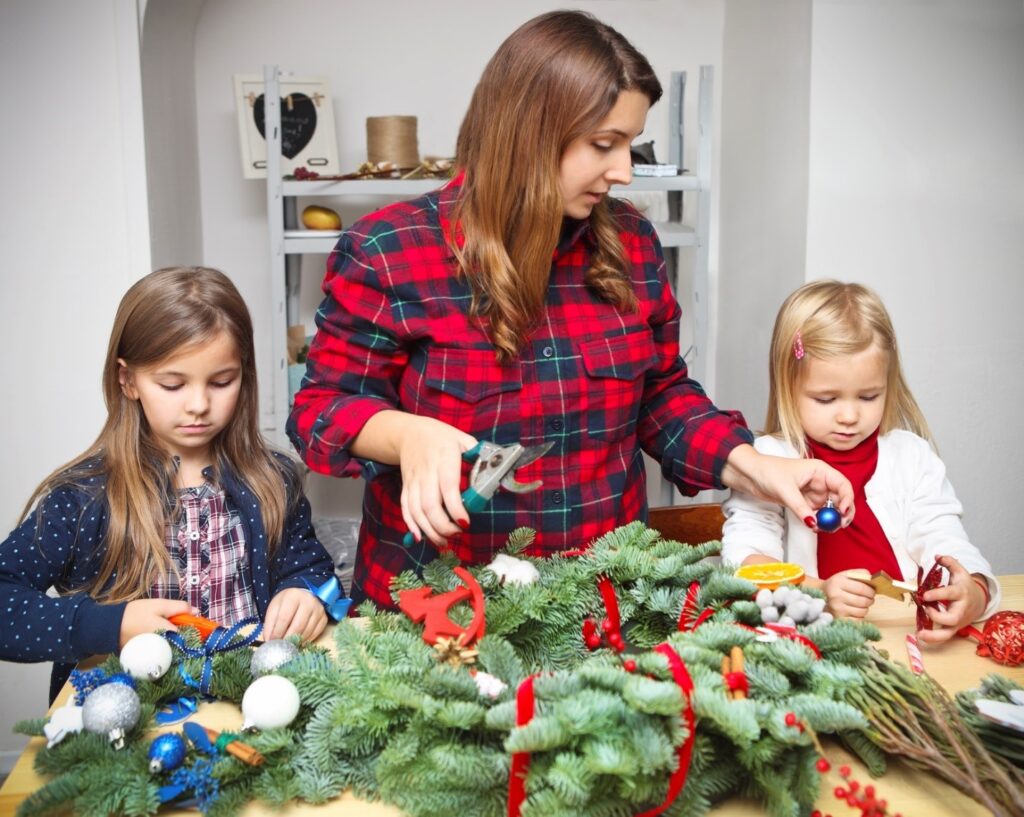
[
  {"x": 558, "y": 497},
  {"x": 547, "y": 351},
  {"x": 193, "y": 535},
  {"x": 193, "y": 579},
  {"x": 557, "y": 424}
]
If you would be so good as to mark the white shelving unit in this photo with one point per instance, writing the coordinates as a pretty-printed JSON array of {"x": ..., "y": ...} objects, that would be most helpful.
[{"x": 288, "y": 243}]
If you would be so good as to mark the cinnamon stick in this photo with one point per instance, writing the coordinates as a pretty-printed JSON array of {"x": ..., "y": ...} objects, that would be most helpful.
[{"x": 236, "y": 748}]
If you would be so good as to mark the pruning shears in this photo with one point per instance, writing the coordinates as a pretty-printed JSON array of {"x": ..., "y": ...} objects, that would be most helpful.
[{"x": 494, "y": 469}]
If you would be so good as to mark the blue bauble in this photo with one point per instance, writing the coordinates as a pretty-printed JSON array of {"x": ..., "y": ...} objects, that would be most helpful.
[
  {"x": 829, "y": 518},
  {"x": 167, "y": 752}
]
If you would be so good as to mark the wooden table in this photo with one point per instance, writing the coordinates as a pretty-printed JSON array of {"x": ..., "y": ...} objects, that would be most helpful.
[{"x": 908, "y": 791}]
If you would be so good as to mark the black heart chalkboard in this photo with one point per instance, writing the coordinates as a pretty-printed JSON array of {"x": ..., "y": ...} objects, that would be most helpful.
[{"x": 298, "y": 122}]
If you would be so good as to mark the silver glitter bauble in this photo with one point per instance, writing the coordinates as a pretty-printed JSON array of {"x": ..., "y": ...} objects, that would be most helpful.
[
  {"x": 271, "y": 655},
  {"x": 111, "y": 710}
]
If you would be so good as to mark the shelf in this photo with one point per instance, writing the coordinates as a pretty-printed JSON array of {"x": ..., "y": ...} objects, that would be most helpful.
[
  {"x": 416, "y": 187},
  {"x": 673, "y": 234},
  {"x": 299, "y": 242}
]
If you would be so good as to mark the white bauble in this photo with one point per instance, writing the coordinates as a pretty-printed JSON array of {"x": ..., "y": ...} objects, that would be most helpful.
[
  {"x": 146, "y": 657},
  {"x": 269, "y": 702}
]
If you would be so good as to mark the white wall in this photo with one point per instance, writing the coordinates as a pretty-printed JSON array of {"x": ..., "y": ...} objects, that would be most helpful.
[
  {"x": 917, "y": 190},
  {"x": 73, "y": 237}
]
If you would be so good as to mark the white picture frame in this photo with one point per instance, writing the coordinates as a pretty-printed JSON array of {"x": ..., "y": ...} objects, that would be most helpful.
[{"x": 307, "y": 126}]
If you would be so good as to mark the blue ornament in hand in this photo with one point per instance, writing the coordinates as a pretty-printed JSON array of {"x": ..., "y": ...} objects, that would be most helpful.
[
  {"x": 828, "y": 518},
  {"x": 167, "y": 752}
]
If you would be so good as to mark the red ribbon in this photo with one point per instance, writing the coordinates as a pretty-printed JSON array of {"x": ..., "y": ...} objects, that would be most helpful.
[
  {"x": 520, "y": 760},
  {"x": 737, "y": 680},
  {"x": 678, "y": 779},
  {"x": 686, "y": 615}
]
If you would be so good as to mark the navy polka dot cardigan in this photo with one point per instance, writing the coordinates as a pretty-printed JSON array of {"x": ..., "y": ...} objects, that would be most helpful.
[{"x": 62, "y": 549}]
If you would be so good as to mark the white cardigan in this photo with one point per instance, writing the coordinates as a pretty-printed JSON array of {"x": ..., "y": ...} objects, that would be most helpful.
[{"x": 908, "y": 493}]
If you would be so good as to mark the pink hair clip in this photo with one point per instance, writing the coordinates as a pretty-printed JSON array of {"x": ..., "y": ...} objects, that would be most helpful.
[{"x": 798, "y": 346}]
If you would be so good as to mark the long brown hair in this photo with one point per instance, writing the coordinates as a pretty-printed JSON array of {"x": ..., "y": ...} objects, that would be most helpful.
[
  {"x": 552, "y": 81},
  {"x": 163, "y": 314},
  {"x": 834, "y": 320}
]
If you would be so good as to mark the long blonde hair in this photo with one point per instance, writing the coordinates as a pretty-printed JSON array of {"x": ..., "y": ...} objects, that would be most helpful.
[
  {"x": 834, "y": 320},
  {"x": 165, "y": 313},
  {"x": 553, "y": 80}
]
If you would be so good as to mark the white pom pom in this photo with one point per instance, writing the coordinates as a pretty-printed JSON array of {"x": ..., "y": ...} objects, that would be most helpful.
[
  {"x": 787, "y": 621},
  {"x": 781, "y": 596},
  {"x": 797, "y": 610},
  {"x": 488, "y": 684},
  {"x": 825, "y": 618},
  {"x": 764, "y": 598},
  {"x": 770, "y": 615}
]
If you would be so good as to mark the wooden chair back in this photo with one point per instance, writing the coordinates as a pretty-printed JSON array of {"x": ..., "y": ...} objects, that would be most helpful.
[{"x": 693, "y": 524}]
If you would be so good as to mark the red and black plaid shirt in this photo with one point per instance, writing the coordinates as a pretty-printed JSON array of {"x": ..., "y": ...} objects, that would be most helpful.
[{"x": 395, "y": 332}]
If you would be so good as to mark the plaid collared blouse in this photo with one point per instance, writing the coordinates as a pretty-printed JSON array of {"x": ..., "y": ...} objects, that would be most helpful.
[{"x": 395, "y": 332}]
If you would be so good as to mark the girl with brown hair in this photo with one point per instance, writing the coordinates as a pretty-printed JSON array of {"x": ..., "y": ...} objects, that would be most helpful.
[
  {"x": 178, "y": 506},
  {"x": 520, "y": 303}
]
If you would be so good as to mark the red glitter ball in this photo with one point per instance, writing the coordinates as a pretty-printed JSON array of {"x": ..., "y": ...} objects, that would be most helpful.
[{"x": 1002, "y": 639}]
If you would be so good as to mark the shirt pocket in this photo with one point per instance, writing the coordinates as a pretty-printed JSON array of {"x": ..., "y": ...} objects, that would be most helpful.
[
  {"x": 466, "y": 388},
  {"x": 615, "y": 370}
]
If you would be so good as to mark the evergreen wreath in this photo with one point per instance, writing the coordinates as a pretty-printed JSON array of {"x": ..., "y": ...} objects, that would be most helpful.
[{"x": 585, "y": 710}]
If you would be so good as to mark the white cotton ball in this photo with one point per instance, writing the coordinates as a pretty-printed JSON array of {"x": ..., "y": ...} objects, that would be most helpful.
[
  {"x": 764, "y": 598},
  {"x": 512, "y": 570},
  {"x": 825, "y": 618},
  {"x": 787, "y": 621},
  {"x": 489, "y": 685},
  {"x": 269, "y": 702},
  {"x": 817, "y": 607},
  {"x": 146, "y": 656},
  {"x": 781, "y": 596},
  {"x": 797, "y": 610},
  {"x": 770, "y": 615}
]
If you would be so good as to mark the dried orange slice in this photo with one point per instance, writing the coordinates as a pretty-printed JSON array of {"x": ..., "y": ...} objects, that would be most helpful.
[{"x": 771, "y": 574}]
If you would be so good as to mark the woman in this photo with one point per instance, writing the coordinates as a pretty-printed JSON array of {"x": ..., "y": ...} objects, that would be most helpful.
[{"x": 520, "y": 303}]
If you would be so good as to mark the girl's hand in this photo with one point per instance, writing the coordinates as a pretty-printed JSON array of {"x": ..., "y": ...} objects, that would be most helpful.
[
  {"x": 430, "y": 456},
  {"x": 847, "y": 597},
  {"x": 964, "y": 600},
  {"x": 149, "y": 616},
  {"x": 294, "y": 611},
  {"x": 803, "y": 486}
]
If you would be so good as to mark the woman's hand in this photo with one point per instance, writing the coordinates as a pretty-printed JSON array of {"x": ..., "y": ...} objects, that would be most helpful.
[
  {"x": 294, "y": 611},
  {"x": 801, "y": 485},
  {"x": 963, "y": 598},
  {"x": 429, "y": 453},
  {"x": 149, "y": 616}
]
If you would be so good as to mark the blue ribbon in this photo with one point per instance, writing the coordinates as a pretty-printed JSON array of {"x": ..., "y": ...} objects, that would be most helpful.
[
  {"x": 179, "y": 710},
  {"x": 221, "y": 640},
  {"x": 199, "y": 778},
  {"x": 331, "y": 597}
]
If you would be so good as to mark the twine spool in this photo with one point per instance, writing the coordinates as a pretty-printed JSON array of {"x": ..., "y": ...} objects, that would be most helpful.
[{"x": 392, "y": 139}]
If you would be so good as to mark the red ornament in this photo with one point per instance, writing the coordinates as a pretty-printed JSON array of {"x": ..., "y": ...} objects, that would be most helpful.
[
  {"x": 823, "y": 765},
  {"x": 1002, "y": 638},
  {"x": 925, "y": 583},
  {"x": 629, "y": 665},
  {"x": 421, "y": 604}
]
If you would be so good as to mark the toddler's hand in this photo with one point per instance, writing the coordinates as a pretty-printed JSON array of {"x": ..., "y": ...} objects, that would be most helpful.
[
  {"x": 964, "y": 601},
  {"x": 848, "y": 597},
  {"x": 294, "y": 611},
  {"x": 149, "y": 616}
]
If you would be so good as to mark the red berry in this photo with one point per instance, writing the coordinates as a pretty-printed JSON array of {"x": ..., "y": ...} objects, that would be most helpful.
[
  {"x": 790, "y": 719},
  {"x": 816, "y": 813},
  {"x": 823, "y": 765},
  {"x": 606, "y": 625},
  {"x": 869, "y": 791},
  {"x": 839, "y": 792},
  {"x": 629, "y": 665},
  {"x": 593, "y": 641},
  {"x": 854, "y": 785},
  {"x": 844, "y": 770}
]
